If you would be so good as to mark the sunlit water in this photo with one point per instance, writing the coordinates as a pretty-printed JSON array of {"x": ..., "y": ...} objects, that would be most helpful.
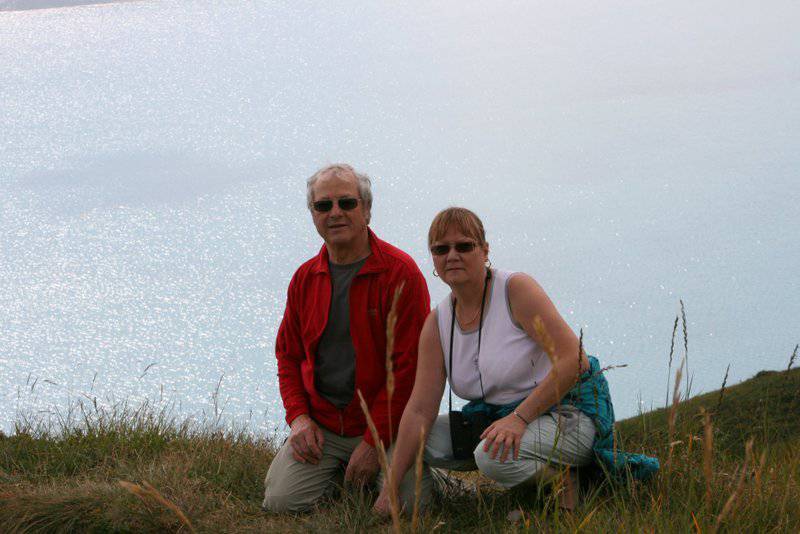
[{"x": 153, "y": 157}]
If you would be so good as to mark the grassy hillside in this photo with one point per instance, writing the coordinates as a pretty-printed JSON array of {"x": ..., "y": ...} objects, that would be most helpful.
[
  {"x": 135, "y": 471},
  {"x": 765, "y": 408}
]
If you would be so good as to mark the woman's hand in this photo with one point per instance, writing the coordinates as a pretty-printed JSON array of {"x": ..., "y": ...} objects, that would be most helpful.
[
  {"x": 506, "y": 432},
  {"x": 382, "y": 506}
]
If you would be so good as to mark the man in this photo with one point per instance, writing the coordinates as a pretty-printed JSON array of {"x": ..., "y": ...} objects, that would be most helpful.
[{"x": 332, "y": 344}]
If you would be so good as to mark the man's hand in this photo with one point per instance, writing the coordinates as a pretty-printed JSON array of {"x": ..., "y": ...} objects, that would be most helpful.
[
  {"x": 363, "y": 465},
  {"x": 382, "y": 506},
  {"x": 306, "y": 440}
]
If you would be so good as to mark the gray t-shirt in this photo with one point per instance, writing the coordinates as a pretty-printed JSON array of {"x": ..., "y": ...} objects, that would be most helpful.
[{"x": 335, "y": 366}]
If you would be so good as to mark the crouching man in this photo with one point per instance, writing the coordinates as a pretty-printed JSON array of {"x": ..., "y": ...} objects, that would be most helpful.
[{"x": 332, "y": 344}]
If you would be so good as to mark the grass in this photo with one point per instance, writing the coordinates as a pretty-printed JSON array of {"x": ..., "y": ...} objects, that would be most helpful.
[
  {"x": 139, "y": 470},
  {"x": 765, "y": 407}
]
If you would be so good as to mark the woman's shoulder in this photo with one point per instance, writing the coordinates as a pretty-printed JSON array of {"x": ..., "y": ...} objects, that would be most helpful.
[
  {"x": 519, "y": 278},
  {"x": 514, "y": 280},
  {"x": 505, "y": 274},
  {"x": 524, "y": 292}
]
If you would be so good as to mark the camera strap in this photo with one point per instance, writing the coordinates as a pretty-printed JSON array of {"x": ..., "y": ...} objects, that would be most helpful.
[{"x": 480, "y": 329}]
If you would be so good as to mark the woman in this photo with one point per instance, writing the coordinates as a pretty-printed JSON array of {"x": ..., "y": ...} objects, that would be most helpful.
[{"x": 483, "y": 338}]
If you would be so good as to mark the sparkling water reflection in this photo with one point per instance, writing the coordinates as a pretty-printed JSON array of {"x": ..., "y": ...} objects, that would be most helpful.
[{"x": 152, "y": 157}]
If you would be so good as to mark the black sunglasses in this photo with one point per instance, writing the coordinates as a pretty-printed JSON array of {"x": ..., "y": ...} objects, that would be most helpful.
[
  {"x": 345, "y": 204},
  {"x": 462, "y": 247}
]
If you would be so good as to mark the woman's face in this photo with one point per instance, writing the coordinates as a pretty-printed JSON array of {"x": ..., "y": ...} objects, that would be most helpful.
[{"x": 454, "y": 267}]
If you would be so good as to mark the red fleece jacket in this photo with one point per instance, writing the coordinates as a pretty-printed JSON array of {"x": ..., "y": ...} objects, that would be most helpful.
[{"x": 371, "y": 292}]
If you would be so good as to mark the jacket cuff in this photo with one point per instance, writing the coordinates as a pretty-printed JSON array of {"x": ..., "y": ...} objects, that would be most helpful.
[{"x": 294, "y": 413}]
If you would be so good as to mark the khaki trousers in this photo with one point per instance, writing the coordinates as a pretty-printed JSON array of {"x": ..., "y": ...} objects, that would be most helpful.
[
  {"x": 563, "y": 436},
  {"x": 291, "y": 486}
]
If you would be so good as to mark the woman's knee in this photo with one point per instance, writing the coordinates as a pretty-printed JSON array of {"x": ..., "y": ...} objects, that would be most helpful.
[
  {"x": 438, "y": 446},
  {"x": 508, "y": 474}
]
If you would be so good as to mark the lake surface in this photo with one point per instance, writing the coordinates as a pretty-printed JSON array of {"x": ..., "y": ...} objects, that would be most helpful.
[{"x": 153, "y": 158}]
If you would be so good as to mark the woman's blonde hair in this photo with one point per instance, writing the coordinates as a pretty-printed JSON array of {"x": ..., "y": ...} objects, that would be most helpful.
[{"x": 460, "y": 219}]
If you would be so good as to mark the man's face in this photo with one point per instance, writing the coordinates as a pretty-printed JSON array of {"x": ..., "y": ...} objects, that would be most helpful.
[{"x": 339, "y": 228}]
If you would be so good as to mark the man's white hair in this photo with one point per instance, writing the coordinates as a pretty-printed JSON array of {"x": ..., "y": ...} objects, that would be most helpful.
[{"x": 341, "y": 170}]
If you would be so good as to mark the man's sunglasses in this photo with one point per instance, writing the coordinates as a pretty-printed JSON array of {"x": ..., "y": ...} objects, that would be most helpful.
[
  {"x": 462, "y": 247},
  {"x": 345, "y": 204}
]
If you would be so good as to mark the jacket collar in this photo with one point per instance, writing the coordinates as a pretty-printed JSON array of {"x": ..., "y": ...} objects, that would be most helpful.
[{"x": 375, "y": 261}]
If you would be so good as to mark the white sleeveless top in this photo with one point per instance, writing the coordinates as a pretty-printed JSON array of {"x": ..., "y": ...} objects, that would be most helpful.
[{"x": 511, "y": 363}]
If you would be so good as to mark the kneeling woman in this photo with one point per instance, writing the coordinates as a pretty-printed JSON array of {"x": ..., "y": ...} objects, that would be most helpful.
[{"x": 483, "y": 339}]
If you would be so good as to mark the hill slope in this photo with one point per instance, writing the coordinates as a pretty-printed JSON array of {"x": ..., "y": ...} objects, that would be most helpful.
[
  {"x": 765, "y": 407},
  {"x": 142, "y": 472}
]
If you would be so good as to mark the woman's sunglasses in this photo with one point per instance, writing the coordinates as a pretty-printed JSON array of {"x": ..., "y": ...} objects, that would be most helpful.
[
  {"x": 345, "y": 204},
  {"x": 462, "y": 247}
]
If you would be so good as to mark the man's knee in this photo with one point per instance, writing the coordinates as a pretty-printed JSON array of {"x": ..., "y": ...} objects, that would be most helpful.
[
  {"x": 282, "y": 495},
  {"x": 295, "y": 496},
  {"x": 281, "y": 504},
  {"x": 294, "y": 488}
]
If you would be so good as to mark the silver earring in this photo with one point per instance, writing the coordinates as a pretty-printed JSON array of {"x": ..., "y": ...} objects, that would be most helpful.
[
  {"x": 488, "y": 264},
  {"x": 435, "y": 273}
]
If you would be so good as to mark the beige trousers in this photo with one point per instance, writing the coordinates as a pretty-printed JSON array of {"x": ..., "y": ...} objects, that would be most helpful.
[
  {"x": 563, "y": 437},
  {"x": 291, "y": 486}
]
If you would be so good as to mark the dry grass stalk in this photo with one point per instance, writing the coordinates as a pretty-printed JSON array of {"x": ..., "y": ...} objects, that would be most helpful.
[
  {"x": 614, "y": 443},
  {"x": 671, "y": 353},
  {"x": 722, "y": 389},
  {"x": 760, "y": 470},
  {"x": 696, "y": 524},
  {"x": 543, "y": 337},
  {"x": 145, "y": 491},
  {"x": 612, "y": 367},
  {"x": 586, "y": 519},
  {"x": 580, "y": 357},
  {"x": 685, "y": 347},
  {"x": 708, "y": 455},
  {"x": 673, "y": 413},
  {"x": 792, "y": 358},
  {"x": 748, "y": 452},
  {"x": 418, "y": 480},
  {"x": 391, "y": 321},
  {"x": 556, "y": 480},
  {"x": 545, "y": 341},
  {"x": 384, "y": 461}
]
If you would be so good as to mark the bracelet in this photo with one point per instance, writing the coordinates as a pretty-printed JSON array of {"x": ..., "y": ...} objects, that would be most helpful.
[{"x": 523, "y": 419}]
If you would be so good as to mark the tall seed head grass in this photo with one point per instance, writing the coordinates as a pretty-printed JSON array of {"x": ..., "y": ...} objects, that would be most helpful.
[
  {"x": 685, "y": 349},
  {"x": 708, "y": 455},
  {"x": 391, "y": 322},
  {"x": 722, "y": 389},
  {"x": 545, "y": 340},
  {"x": 673, "y": 415},
  {"x": 792, "y": 357},
  {"x": 671, "y": 354},
  {"x": 146, "y": 492},
  {"x": 729, "y": 504},
  {"x": 580, "y": 356},
  {"x": 418, "y": 480},
  {"x": 384, "y": 461}
]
